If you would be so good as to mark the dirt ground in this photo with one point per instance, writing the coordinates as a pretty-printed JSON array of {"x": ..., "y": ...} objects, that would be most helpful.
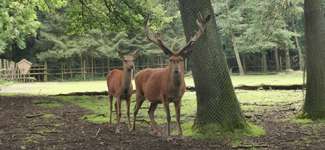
[{"x": 24, "y": 125}]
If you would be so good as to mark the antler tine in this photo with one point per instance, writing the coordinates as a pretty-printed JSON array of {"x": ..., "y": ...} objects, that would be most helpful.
[
  {"x": 156, "y": 39},
  {"x": 120, "y": 53},
  {"x": 201, "y": 23}
]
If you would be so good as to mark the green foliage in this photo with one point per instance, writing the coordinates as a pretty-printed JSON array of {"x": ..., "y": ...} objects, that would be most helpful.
[
  {"x": 113, "y": 15},
  {"x": 255, "y": 25},
  {"x": 18, "y": 20}
]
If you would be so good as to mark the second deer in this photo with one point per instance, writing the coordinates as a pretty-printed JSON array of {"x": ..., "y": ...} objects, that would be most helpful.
[
  {"x": 119, "y": 85},
  {"x": 165, "y": 85}
]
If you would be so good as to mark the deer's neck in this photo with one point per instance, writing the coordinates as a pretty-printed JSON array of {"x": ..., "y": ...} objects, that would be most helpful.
[
  {"x": 126, "y": 80},
  {"x": 175, "y": 80}
]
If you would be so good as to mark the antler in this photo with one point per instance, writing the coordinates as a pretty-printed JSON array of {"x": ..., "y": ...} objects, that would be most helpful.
[
  {"x": 201, "y": 22},
  {"x": 120, "y": 53},
  {"x": 156, "y": 39}
]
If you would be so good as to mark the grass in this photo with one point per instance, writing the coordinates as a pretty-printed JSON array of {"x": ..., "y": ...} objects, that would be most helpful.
[
  {"x": 288, "y": 78},
  {"x": 53, "y": 88},
  {"x": 98, "y": 114},
  {"x": 304, "y": 120},
  {"x": 98, "y": 110},
  {"x": 97, "y": 106},
  {"x": 4, "y": 83},
  {"x": 215, "y": 132},
  {"x": 269, "y": 98},
  {"x": 253, "y": 101}
]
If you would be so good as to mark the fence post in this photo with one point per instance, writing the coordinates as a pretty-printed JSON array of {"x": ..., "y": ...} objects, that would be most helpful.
[
  {"x": 71, "y": 74},
  {"x": 45, "y": 71},
  {"x": 108, "y": 65},
  {"x": 84, "y": 70},
  {"x": 92, "y": 67},
  {"x": 62, "y": 70},
  {"x": 1, "y": 73}
]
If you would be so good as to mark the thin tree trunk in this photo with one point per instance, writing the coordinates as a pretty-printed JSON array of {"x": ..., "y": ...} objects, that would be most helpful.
[
  {"x": 301, "y": 55},
  {"x": 264, "y": 62},
  {"x": 62, "y": 72},
  {"x": 277, "y": 61},
  {"x": 239, "y": 63},
  {"x": 314, "y": 106},
  {"x": 288, "y": 62},
  {"x": 45, "y": 72},
  {"x": 244, "y": 63},
  {"x": 92, "y": 67},
  {"x": 108, "y": 65},
  {"x": 81, "y": 66},
  {"x": 281, "y": 62},
  {"x": 216, "y": 99},
  {"x": 70, "y": 68}
]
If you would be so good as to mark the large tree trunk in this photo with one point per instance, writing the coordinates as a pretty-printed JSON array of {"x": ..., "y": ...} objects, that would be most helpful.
[
  {"x": 288, "y": 62},
  {"x": 314, "y": 106},
  {"x": 216, "y": 99}
]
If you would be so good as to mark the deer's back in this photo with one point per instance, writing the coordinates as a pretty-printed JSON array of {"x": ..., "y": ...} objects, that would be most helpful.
[
  {"x": 150, "y": 83},
  {"x": 114, "y": 81}
]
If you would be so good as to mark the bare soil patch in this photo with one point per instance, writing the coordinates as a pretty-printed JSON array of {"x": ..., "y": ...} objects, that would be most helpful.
[{"x": 24, "y": 125}]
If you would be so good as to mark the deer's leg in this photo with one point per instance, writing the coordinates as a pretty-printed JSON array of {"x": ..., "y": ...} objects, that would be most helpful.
[
  {"x": 151, "y": 113},
  {"x": 139, "y": 101},
  {"x": 118, "y": 112},
  {"x": 128, "y": 103},
  {"x": 166, "y": 105},
  {"x": 178, "y": 120},
  {"x": 110, "y": 108}
]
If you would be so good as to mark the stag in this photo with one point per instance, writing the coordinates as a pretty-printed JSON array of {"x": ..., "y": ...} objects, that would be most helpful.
[
  {"x": 165, "y": 85},
  {"x": 120, "y": 86}
]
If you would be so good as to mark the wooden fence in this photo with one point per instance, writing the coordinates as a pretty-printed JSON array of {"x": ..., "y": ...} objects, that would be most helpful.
[
  {"x": 9, "y": 71},
  {"x": 66, "y": 71}
]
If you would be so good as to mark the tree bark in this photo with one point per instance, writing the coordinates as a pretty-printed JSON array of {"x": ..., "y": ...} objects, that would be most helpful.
[
  {"x": 300, "y": 54},
  {"x": 244, "y": 63},
  {"x": 216, "y": 99},
  {"x": 264, "y": 62},
  {"x": 314, "y": 105},
  {"x": 288, "y": 62},
  {"x": 277, "y": 61},
  {"x": 239, "y": 63}
]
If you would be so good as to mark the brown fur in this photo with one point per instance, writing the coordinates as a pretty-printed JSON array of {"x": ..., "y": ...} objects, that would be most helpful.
[
  {"x": 162, "y": 85},
  {"x": 165, "y": 85},
  {"x": 120, "y": 86}
]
